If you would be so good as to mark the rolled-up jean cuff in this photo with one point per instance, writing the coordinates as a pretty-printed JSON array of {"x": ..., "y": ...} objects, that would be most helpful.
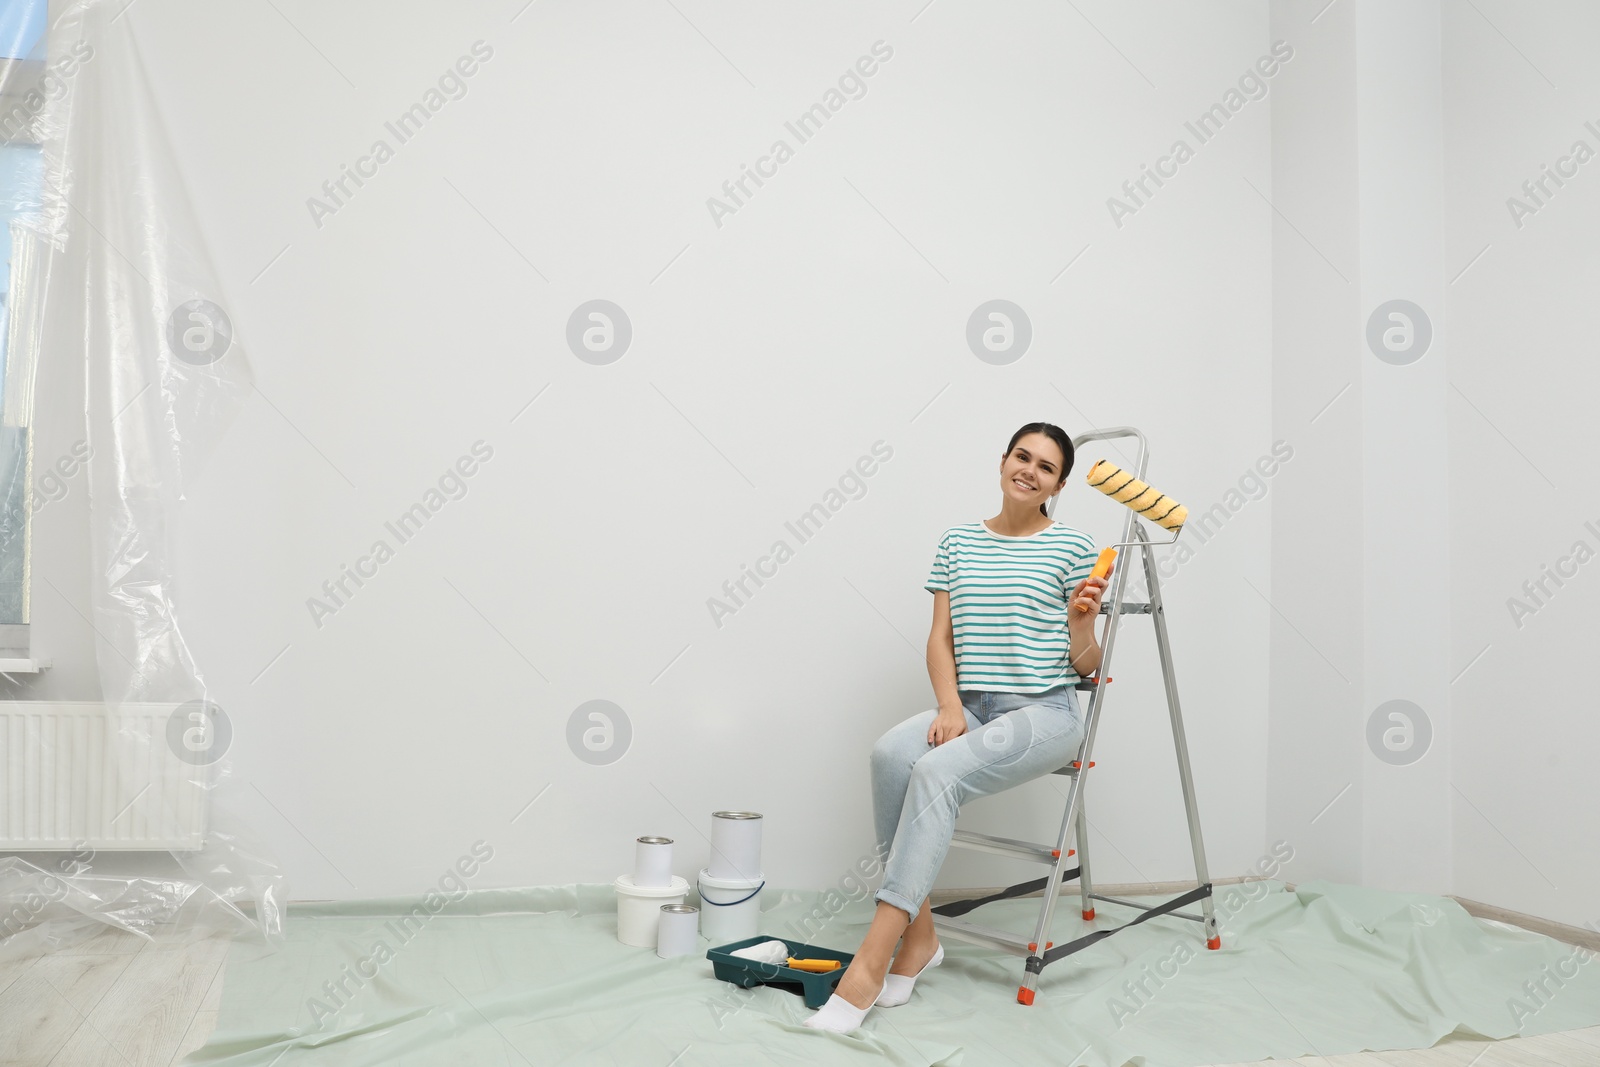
[{"x": 891, "y": 897}]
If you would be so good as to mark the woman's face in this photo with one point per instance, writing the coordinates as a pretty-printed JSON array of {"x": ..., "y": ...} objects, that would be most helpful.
[{"x": 1031, "y": 473}]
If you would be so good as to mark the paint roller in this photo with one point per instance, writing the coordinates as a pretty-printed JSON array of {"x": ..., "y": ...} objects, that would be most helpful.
[
  {"x": 777, "y": 953},
  {"x": 1143, "y": 499}
]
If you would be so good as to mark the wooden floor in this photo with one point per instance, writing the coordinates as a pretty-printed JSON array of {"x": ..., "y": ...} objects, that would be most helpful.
[
  {"x": 112, "y": 999},
  {"x": 116, "y": 999}
]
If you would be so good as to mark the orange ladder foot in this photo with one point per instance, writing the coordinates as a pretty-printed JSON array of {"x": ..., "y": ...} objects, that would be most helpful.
[
  {"x": 1088, "y": 914},
  {"x": 1215, "y": 942},
  {"x": 1024, "y": 995}
]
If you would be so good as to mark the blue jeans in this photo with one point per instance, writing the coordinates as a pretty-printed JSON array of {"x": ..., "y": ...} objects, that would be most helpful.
[{"x": 918, "y": 788}]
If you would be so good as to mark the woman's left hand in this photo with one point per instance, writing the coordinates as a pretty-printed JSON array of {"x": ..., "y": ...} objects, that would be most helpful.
[{"x": 1087, "y": 594}]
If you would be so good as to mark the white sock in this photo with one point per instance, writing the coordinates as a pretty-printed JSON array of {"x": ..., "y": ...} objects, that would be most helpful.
[
  {"x": 897, "y": 987},
  {"x": 837, "y": 1015}
]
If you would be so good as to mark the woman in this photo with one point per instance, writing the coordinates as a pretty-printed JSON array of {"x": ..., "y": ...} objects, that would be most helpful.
[{"x": 1013, "y": 630}]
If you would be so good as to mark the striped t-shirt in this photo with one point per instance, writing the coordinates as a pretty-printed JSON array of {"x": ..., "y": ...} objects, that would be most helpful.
[{"x": 1008, "y": 604}]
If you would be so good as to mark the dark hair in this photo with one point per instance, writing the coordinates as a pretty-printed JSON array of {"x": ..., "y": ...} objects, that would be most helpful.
[{"x": 1056, "y": 434}]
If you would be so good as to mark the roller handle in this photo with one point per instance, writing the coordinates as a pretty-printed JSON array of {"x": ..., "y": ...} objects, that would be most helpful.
[
  {"x": 815, "y": 966},
  {"x": 1102, "y": 567}
]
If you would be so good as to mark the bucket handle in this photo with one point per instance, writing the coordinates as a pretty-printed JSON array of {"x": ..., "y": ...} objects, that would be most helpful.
[{"x": 725, "y": 903}]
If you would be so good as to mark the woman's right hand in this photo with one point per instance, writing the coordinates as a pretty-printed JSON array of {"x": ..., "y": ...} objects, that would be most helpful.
[{"x": 947, "y": 724}]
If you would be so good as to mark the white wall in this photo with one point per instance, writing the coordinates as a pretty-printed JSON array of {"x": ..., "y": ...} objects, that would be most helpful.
[
  {"x": 1428, "y": 492},
  {"x": 1315, "y": 656},
  {"x": 1405, "y": 588},
  {"x": 1519, "y": 90},
  {"x": 769, "y": 354},
  {"x": 827, "y": 314}
]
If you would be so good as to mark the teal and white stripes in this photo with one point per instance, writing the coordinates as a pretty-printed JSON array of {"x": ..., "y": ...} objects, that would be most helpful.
[{"x": 1008, "y": 604}]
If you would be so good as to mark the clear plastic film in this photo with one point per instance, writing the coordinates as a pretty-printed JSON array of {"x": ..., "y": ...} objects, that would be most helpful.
[{"x": 120, "y": 805}]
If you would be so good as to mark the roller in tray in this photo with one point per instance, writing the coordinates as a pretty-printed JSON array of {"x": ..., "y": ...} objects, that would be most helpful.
[{"x": 815, "y": 987}]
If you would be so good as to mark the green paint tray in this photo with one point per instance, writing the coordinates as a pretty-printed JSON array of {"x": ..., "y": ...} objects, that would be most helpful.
[{"x": 816, "y": 988}]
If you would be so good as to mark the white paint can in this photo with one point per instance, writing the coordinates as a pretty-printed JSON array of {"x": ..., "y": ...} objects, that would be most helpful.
[
  {"x": 639, "y": 908},
  {"x": 679, "y": 931},
  {"x": 736, "y": 845},
  {"x": 652, "y": 861},
  {"x": 732, "y": 907}
]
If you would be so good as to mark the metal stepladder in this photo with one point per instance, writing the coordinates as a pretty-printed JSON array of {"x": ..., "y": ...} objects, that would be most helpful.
[{"x": 946, "y": 916}]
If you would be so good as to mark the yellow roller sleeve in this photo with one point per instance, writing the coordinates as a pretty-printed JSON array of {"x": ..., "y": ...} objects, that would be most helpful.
[{"x": 1149, "y": 502}]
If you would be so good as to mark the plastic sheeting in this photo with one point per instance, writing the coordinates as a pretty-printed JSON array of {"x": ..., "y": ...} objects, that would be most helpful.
[
  {"x": 1323, "y": 969},
  {"x": 108, "y": 269}
]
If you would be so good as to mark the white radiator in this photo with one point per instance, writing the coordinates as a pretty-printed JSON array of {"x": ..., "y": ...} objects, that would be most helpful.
[{"x": 97, "y": 776}]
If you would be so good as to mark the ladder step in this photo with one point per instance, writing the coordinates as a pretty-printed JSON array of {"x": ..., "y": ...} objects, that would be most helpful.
[
  {"x": 1006, "y": 846},
  {"x": 1071, "y": 769},
  {"x": 989, "y": 936},
  {"x": 1127, "y": 609}
]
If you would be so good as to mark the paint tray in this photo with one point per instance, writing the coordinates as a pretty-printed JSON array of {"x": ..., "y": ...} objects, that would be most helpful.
[{"x": 816, "y": 988}]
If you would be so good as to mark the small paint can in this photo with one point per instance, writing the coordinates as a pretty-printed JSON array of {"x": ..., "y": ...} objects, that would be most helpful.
[
  {"x": 639, "y": 908},
  {"x": 678, "y": 932},
  {"x": 652, "y": 861}
]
